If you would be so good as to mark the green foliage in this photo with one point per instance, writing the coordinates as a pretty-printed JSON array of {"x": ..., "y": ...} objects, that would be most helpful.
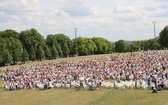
[
  {"x": 32, "y": 55},
  {"x": 7, "y": 57},
  {"x": 16, "y": 50},
  {"x": 3, "y": 47},
  {"x": 85, "y": 46},
  {"x": 64, "y": 43},
  {"x": 133, "y": 46},
  {"x": 11, "y": 48},
  {"x": 54, "y": 52},
  {"x": 25, "y": 55},
  {"x": 31, "y": 40},
  {"x": 103, "y": 45},
  {"x": 164, "y": 37},
  {"x": 40, "y": 53},
  {"x": 50, "y": 41},
  {"x": 120, "y": 46},
  {"x": 9, "y": 33},
  {"x": 47, "y": 52}
]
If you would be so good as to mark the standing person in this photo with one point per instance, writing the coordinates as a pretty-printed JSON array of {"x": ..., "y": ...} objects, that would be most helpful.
[
  {"x": 149, "y": 82},
  {"x": 154, "y": 81},
  {"x": 100, "y": 83},
  {"x": 136, "y": 83},
  {"x": 93, "y": 85},
  {"x": 160, "y": 84},
  {"x": 80, "y": 85}
]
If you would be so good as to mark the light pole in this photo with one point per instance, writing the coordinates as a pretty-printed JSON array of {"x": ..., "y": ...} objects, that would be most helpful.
[
  {"x": 76, "y": 42},
  {"x": 154, "y": 22}
]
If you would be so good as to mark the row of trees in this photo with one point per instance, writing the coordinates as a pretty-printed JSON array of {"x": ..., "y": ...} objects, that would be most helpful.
[
  {"x": 31, "y": 45},
  {"x": 160, "y": 42},
  {"x": 151, "y": 44}
]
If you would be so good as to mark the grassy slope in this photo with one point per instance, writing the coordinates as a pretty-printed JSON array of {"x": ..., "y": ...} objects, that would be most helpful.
[
  {"x": 56, "y": 60},
  {"x": 134, "y": 97},
  {"x": 83, "y": 97}
]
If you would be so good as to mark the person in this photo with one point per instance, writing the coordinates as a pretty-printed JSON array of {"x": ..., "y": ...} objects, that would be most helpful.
[
  {"x": 136, "y": 84},
  {"x": 100, "y": 83},
  {"x": 93, "y": 85},
  {"x": 160, "y": 85},
  {"x": 80, "y": 85},
  {"x": 154, "y": 80},
  {"x": 140, "y": 83},
  {"x": 149, "y": 82}
]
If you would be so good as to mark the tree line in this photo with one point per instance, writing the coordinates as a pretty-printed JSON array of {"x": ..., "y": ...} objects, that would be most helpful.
[
  {"x": 158, "y": 43},
  {"x": 31, "y": 45}
]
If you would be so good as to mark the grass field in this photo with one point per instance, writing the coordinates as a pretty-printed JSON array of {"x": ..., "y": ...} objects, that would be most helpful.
[{"x": 82, "y": 97}]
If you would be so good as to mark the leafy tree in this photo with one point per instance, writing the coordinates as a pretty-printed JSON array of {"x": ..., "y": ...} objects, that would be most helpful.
[
  {"x": 31, "y": 40},
  {"x": 54, "y": 52},
  {"x": 164, "y": 37},
  {"x": 7, "y": 57},
  {"x": 40, "y": 53},
  {"x": 32, "y": 55},
  {"x": 157, "y": 43},
  {"x": 16, "y": 49},
  {"x": 103, "y": 45},
  {"x": 50, "y": 41},
  {"x": 9, "y": 33},
  {"x": 25, "y": 55},
  {"x": 3, "y": 47},
  {"x": 9, "y": 42},
  {"x": 47, "y": 52},
  {"x": 85, "y": 46},
  {"x": 64, "y": 43},
  {"x": 120, "y": 46},
  {"x": 133, "y": 46}
]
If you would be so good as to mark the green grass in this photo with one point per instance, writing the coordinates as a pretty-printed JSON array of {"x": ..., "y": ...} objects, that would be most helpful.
[{"x": 82, "y": 97}]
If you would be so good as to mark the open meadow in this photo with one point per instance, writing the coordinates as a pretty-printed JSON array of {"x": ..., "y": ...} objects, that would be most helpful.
[{"x": 58, "y": 96}]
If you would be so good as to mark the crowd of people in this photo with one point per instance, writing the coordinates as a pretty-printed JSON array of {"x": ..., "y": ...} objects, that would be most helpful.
[{"x": 148, "y": 66}]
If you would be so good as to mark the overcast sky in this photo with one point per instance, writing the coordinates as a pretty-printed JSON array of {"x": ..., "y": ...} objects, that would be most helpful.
[{"x": 111, "y": 19}]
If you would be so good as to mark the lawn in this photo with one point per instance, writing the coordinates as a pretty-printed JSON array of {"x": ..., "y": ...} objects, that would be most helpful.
[{"x": 83, "y": 97}]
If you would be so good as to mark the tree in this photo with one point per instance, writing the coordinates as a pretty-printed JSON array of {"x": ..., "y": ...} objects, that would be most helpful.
[
  {"x": 133, "y": 46},
  {"x": 50, "y": 41},
  {"x": 3, "y": 47},
  {"x": 7, "y": 57},
  {"x": 164, "y": 37},
  {"x": 120, "y": 46},
  {"x": 31, "y": 40},
  {"x": 9, "y": 33},
  {"x": 9, "y": 42},
  {"x": 64, "y": 43},
  {"x": 103, "y": 45},
  {"x": 16, "y": 49},
  {"x": 85, "y": 46},
  {"x": 54, "y": 52},
  {"x": 32, "y": 55},
  {"x": 25, "y": 55},
  {"x": 40, "y": 53},
  {"x": 47, "y": 52}
]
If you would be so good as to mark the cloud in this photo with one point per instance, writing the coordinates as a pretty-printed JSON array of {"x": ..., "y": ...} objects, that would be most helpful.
[
  {"x": 75, "y": 7},
  {"x": 128, "y": 14},
  {"x": 123, "y": 9},
  {"x": 164, "y": 6},
  {"x": 92, "y": 17}
]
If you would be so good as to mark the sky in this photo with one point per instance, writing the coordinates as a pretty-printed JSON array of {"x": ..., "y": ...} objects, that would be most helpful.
[{"x": 110, "y": 19}]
